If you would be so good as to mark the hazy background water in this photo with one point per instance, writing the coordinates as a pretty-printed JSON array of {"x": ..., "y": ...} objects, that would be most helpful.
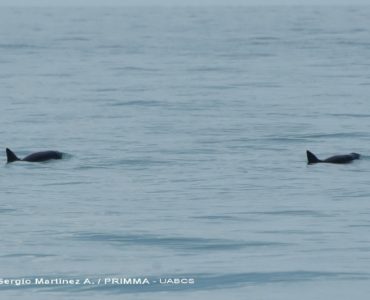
[{"x": 186, "y": 130}]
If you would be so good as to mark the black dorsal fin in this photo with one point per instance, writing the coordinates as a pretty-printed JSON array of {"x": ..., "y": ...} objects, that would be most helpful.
[
  {"x": 312, "y": 159},
  {"x": 11, "y": 156}
]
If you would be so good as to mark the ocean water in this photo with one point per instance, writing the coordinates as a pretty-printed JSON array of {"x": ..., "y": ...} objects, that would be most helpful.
[{"x": 185, "y": 131}]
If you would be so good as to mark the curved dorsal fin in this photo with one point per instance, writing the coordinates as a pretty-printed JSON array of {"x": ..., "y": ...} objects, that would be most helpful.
[
  {"x": 312, "y": 159},
  {"x": 11, "y": 156}
]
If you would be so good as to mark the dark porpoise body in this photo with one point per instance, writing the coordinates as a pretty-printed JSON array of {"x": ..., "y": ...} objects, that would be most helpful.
[
  {"x": 34, "y": 157},
  {"x": 337, "y": 159}
]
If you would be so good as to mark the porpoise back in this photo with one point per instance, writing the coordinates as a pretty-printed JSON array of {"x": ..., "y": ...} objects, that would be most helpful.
[
  {"x": 342, "y": 159},
  {"x": 336, "y": 159},
  {"x": 43, "y": 156},
  {"x": 34, "y": 157}
]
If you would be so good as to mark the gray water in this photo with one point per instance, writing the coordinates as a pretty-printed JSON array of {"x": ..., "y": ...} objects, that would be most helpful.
[{"x": 185, "y": 131}]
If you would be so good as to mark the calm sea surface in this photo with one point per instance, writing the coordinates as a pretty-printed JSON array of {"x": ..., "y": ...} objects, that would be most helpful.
[{"x": 185, "y": 131}]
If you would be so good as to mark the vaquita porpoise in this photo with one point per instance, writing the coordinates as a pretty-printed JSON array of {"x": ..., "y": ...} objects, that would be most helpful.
[
  {"x": 34, "y": 157},
  {"x": 336, "y": 159}
]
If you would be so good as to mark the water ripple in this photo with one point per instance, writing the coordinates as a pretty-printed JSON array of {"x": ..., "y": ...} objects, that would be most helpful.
[{"x": 175, "y": 243}]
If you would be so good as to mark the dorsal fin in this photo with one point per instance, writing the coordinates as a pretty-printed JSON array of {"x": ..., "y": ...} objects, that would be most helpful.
[
  {"x": 11, "y": 156},
  {"x": 312, "y": 159}
]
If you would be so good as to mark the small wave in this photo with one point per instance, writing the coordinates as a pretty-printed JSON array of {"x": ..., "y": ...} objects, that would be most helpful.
[
  {"x": 176, "y": 243},
  {"x": 28, "y": 255},
  {"x": 211, "y": 69},
  {"x": 6, "y": 211},
  {"x": 67, "y": 183},
  {"x": 147, "y": 103},
  {"x": 241, "y": 56},
  {"x": 337, "y": 135},
  {"x": 105, "y": 90},
  {"x": 57, "y": 75},
  {"x": 74, "y": 39},
  {"x": 67, "y": 155},
  {"x": 285, "y": 139},
  {"x": 223, "y": 218},
  {"x": 350, "y": 115},
  {"x": 140, "y": 162},
  {"x": 208, "y": 281},
  {"x": 305, "y": 137},
  {"x": 265, "y": 38},
  {"x": 135, "y": 69},
  {"x": 19, "y": 46},
  {"x": 310, "y": 213}
]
